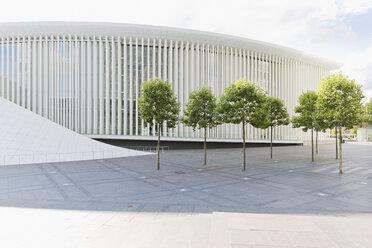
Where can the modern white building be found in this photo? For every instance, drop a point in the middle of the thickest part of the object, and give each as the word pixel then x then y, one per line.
pixel 87 76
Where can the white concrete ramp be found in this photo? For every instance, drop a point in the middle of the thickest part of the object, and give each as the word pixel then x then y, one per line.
pixel 26 137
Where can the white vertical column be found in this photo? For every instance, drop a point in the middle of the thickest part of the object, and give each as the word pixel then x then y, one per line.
pixel 130 87
pixel 101 87
pixel 153 76
pixel 83 66
pixel 186 85
pixel 89 86
pixel 176 81
pixel 64 83
pixel 120 90
pixel 164 74
pixel 125 90
pixel 170 74
pixel 198 70
pixel 207 67
pixel 259 83
pixel 197 67
pixel 142 75
pixel 95 87
pixel 113 87
pixel 70 60
pixel 276 93
pixel 78 84
pixel 23 71
pixel 45 78
pixel 40 77
pixel 29 89
pixel 192 75
pixel 107 84
pixel 72 81
pixel 57 83
pixel 181 85
pixel 136 81
pixel 236 64
pixel 13 69
pixel 148 76
pixel 159 59
pixel 51 79
pixel 7 68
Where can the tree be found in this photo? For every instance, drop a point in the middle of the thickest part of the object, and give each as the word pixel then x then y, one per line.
pixel 201 113
pixel 307 115
pixel 158 103
pixel 341 99
pixel 272 113
pixel 367 113
pixel 238 103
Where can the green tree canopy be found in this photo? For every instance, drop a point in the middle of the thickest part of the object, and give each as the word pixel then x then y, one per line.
pixel 367 115
pixel 238 104
pixel 272 113
pixel 341 101
pixel 158 103
pixel 201 112
pixel 307 115
pixel 369 106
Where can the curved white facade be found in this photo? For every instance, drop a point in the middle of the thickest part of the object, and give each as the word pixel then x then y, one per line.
pixel 87 76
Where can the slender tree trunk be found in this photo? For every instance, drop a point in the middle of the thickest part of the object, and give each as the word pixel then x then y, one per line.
pixel 271 142
pixel 316 142
pixel 340 150
pixel 244 145
pixel 312 144
pixel 205 146
pixel 159 130
pixel 336 143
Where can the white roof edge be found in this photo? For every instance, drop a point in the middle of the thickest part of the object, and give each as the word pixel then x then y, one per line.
pixel 136 30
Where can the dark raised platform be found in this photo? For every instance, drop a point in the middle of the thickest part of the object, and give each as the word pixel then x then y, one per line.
pixel 189 144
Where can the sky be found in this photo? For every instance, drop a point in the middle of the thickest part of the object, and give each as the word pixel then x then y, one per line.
pixel 340 30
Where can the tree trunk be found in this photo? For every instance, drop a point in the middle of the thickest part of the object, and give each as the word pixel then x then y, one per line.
pixel 340 150
pixel 271 142
pixel 205 146
pixel 312 144
pixel 336 143
pixel 243 146
pixel 316 142
pixel 159 130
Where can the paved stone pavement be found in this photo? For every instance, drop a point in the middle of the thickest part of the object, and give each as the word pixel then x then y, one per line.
pixel 126 202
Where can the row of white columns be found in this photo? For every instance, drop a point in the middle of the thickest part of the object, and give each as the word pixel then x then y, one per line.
pixel 91 84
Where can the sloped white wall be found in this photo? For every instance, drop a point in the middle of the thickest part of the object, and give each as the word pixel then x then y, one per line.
pixel 26 137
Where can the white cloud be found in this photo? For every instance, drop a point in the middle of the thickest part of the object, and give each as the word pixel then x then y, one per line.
pixel 359 67
pixel 288 22
pixel 355 6
pixel 316 26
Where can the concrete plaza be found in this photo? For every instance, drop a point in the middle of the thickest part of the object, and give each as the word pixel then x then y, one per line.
pixel 125 202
